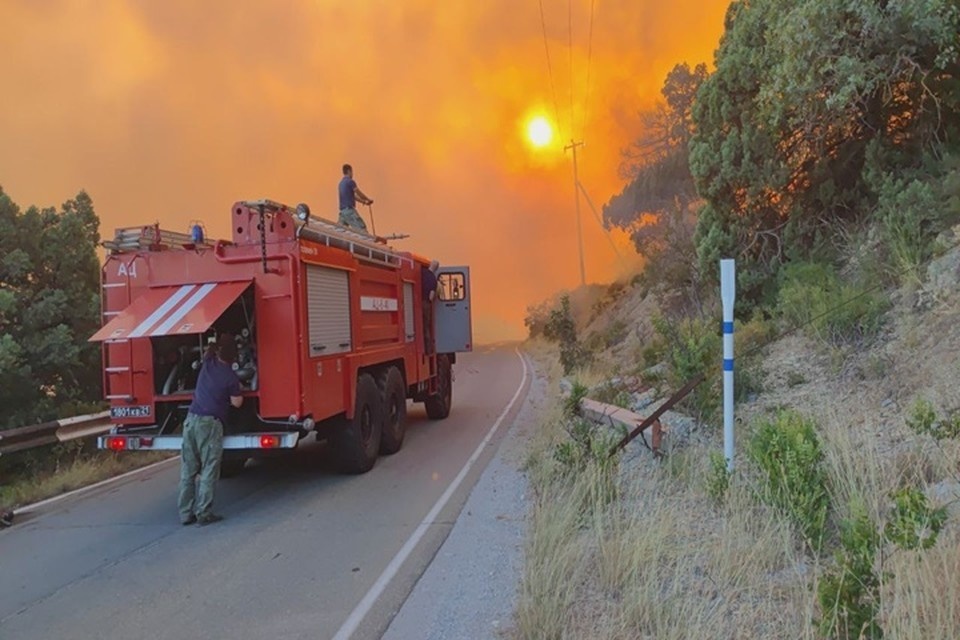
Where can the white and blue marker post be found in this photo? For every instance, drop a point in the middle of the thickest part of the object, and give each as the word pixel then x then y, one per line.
pixel 728 290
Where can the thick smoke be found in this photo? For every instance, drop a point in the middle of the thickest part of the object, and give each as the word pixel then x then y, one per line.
pixel 171 111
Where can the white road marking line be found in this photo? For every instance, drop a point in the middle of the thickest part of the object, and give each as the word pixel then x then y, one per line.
pixel 360 612
pixel 97 485
pixel 162 310
pixel 184 309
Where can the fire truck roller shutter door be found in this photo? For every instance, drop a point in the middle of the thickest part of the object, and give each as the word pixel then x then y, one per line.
pixel 328 310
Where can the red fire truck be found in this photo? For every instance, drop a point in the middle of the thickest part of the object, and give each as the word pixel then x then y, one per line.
pixel 333 333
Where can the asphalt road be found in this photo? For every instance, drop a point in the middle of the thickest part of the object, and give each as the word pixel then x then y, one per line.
pixel 301 546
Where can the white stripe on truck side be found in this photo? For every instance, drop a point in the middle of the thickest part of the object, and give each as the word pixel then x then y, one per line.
pixel 184 309
pixel 162 310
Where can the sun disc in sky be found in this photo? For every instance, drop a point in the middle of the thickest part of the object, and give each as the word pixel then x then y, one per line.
pixel 539 132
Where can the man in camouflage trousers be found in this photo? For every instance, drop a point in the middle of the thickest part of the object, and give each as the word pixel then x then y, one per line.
pixel 218 387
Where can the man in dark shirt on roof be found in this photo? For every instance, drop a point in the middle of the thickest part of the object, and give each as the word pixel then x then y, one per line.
pixel 218 388
pixel 349 195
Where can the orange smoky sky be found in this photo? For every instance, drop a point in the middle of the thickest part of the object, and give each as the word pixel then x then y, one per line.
pixel 171 111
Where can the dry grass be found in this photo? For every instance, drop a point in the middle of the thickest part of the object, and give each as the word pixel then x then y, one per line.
pixel 80 472
pixel 659 562
pixel 923 601
pixel 663 561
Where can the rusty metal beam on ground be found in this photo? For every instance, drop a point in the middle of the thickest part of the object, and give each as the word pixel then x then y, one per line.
pixel 599 412
pixel 655 416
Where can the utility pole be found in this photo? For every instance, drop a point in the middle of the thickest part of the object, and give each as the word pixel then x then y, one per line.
pixel 576 194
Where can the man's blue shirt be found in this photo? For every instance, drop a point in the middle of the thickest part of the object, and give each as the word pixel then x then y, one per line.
pixel 217 382
pixel 348 196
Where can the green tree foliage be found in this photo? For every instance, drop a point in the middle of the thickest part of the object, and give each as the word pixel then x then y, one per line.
pixel 654 204
pixel 49 306
pixel 813 104
pixel 655 207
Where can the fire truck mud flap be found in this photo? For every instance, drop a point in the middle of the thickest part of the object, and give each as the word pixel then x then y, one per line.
pixel 240 441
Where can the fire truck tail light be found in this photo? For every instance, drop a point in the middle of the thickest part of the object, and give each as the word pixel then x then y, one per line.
pixel 116 443
pixel 269 442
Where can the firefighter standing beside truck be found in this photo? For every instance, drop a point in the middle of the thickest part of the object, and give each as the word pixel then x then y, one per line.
pixel 218 387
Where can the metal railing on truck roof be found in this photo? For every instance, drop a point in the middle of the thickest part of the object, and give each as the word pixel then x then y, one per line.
pixel 332 234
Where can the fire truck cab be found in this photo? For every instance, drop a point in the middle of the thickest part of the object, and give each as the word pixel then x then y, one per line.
pixel 333 329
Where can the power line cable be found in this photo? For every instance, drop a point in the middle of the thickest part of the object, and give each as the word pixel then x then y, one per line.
pixel 570 51
pixel 586 100
pixel 546 48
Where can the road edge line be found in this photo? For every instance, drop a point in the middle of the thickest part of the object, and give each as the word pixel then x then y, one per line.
pixel 359 613
pixel 90 487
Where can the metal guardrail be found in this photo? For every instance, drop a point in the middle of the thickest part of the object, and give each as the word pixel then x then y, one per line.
pixel 38 435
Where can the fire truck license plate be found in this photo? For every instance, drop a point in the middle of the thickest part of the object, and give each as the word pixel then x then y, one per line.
pixel 140 411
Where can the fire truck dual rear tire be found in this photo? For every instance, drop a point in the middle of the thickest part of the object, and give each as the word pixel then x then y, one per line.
pixel 393 391
pixel 357 442
pixel 438 405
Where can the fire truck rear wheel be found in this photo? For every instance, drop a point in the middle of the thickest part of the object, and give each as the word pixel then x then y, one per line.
pixel 357 441
pixel 393 390
pixel 438 405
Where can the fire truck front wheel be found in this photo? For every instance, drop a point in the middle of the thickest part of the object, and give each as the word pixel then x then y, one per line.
pixel 357 442
pixel 394 393
pixel 438 405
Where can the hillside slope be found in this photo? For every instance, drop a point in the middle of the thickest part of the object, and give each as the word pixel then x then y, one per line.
pixel 666 559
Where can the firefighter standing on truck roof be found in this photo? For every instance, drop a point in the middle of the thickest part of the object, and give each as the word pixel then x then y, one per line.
pixel 218 387
pixel 349 195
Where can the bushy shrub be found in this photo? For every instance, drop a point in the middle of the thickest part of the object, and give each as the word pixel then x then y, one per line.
pixel 561 328
pixel 914 524
pixel 586 450
pixel 536 319
pixel 849 591
pixel 812 295
pixel 911 212
pixel 692 347
pixel 923 420
pixel 788 453
pixel 571 404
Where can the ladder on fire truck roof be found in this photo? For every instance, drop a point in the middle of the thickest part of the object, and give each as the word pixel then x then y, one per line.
pixel 149 237
pixel 331 234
